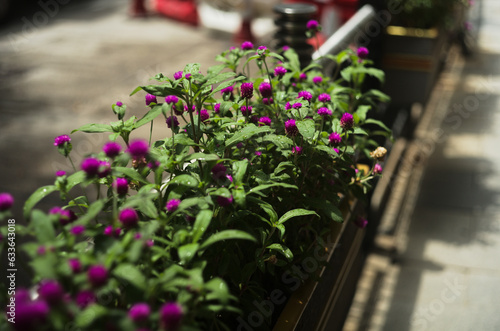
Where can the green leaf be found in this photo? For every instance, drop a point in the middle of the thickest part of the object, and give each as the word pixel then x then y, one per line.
pixel 93 312
pixel 223 192
pixel 76 178
pixel 282 142
pixel 266 186
pixel 306 128
pixel 226 235
pixel 131 274
pixel 94 209
pixel 38 195
pixel 239 170
pixel 187 252
pixel 360 114
pixel 131 173
pixel 293 60
pixel 201 157
pixel 42 226
pixel 162 90
pixel 185 180
pixel 246 133
pixel 327 207
pixel 295 213
pixel 225 84
pixel 285 251
pixel 360 131
pixel 326 149
pixel 379 123
pixel 282 166
pixel 192 68
pixel 94 128
pixel 201 224
pixel 219 290
pixel 149 116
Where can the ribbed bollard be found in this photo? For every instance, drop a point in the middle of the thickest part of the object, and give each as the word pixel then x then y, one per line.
pixel 291 21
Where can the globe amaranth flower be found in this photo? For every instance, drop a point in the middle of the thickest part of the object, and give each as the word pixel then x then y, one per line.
pixel 324 97
pixel 204 115
pixel 139 312
pixel 6 201
pixel 30 314
pixel 312 25
pixel 121 185
pixel 246 45
pixel 41 250
pixel 77 230
pixel 246 111
pixel 217 108
pixel 186 109
pixel 66 216
pixel 91 166
pixel 279 71
pixel 224 202
pixel 104 169
pixel 187 76
pixel 171 314
pixel 247 90
pixel 297 105
pixel 361 222
pixel 291 128
pixel 258 153
pixel 325 112
pixel 171 99
pixel 150 98
pixel 119 103
pixel 297 150
pixel 377 169
pixel 267 101
pixel 112 149
pixel 178 75
pixel 172 205
pixel 138 149
pixel 227 90
pixel 75 265
pixel 218 171
pixel 97 275
pixel 128 217
pixel 60 173
pixel 59 141
pixel 154 164
pixel 111 232
pixel 317 79
pixel 306 95
pixel 362 52
pixel 172 122
pixel 334 138
pixel 288 105
pixel 85 298
pixel 347 121
pixel 285 48
pixel 264 120
pixel 266 90
pixel 51 292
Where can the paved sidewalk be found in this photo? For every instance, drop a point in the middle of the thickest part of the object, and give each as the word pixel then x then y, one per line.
pixel 446 275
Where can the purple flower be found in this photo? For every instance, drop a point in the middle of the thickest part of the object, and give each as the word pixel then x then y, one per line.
pixel 288 105
pixel 267 101
pixel 66 216
pixel 262 48
pixel 150 98
pixel 41 250
pixel 186 109
pixel 297 105
pixel 324 97
pixel 178 75
pixel 204 115
pixel 246 45
pixel 317 80
pixel 121 185
pixel 128 217
pixel 362 52
pixel 77 230
pixel 97 275
pixel 30 314
pixel 171 99
pixel 302 76
pixel 119 103
pixel 154 164
pixel 266 90
pixel 285 48
pixel 187 76
pixel 246 111
pixel 51 291
pixel 264 120
pixel 247 90
pixel 306 95
pixel 377 169
pixel 336 150
pixel 224 202
pixel 172 205
pixel 312 25
pixel 138 149
pixel 150 243
pixel 110 232
pixel 291 128
pixel 172 122
pixel 258 153
pixel 297 150
pixel 61 140
pixel 171 316
pixel 334 138
pixel 85 298
pixel 217 108
pixel 112 149
pixel 325 112
pixel 361 222
pixel 139 312
pixel 218 171
pixel 60 173
pixel 6 201
pixel 279 71
pixel 104 169
pixel 227 90
pixel 91 166
pixel 75 265
pixel 346 121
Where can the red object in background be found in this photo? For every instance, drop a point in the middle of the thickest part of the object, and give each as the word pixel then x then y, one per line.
pixel 245 32
pixel 138 9
pixel 346 9
pixel 180 10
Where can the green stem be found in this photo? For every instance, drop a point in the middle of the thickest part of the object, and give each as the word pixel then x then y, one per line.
pixel 150 133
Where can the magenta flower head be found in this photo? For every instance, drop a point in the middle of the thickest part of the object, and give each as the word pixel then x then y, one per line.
pixel 128 217
pixel 51 291
pixel 266 90
pixel 334 138
pixel 361 222
pixel 110 232
pixel 346 121
pixel 121 186
pixel 264 120
pixel 60 173
pixel 75 265
pixel 312 25
pixel 178 75
pixel 246 111
pixel 85 298
pixel 217 108
pixel 139 312
pixel 119 103
pixel 171 316
pixel 59 141
pixel 97 275
pixel 66 216
pixel 362 52
pixel 325 112
pixel 91 166
pixel 279 71
pixel 246 45
pixel 187 76
pixel 138 149
pixel 204 115
pixel 227 90
pixel 291 128
pixel 30 314
pixel 150 98
pixel 297 105
pixel 6 201
pixel 317 80
pixel 77 230
pixel 171 99
pixel 297 150
pixel 377 169
pixel 218 171
pixel 285 48
pixel 247 90
pixel 306 95
pixel 224 202
pixel 112 149
pixel 172 122
pixel 324 97
pixel 173 205
pixel 267 101
pixel 302 76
